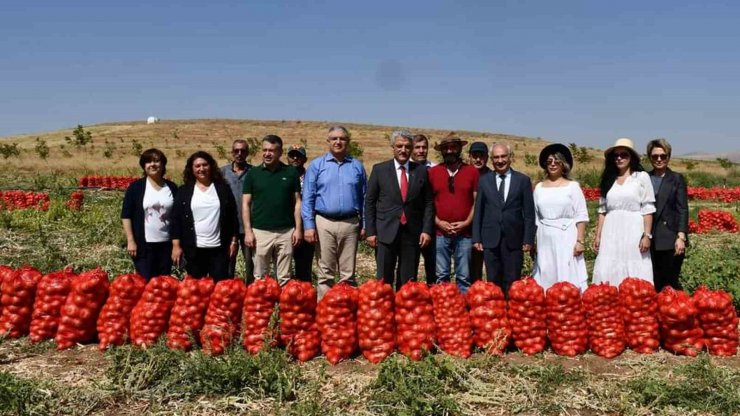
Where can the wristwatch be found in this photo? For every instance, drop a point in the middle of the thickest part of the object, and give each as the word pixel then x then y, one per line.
pixel 648 235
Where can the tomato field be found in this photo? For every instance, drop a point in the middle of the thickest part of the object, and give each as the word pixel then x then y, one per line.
pixel 79 247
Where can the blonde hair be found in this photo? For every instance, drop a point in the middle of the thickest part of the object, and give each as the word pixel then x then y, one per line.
pixel 661 143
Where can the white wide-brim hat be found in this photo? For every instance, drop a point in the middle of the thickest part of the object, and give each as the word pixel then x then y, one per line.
pixel 623 142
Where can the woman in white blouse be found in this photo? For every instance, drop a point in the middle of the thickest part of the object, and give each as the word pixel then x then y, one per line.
pixel 205 228
pixel 561 217
pixel 625 217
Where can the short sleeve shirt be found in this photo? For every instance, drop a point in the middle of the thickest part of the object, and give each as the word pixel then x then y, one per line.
pixel 272 196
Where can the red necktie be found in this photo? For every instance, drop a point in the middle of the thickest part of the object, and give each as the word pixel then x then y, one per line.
pixel 404 191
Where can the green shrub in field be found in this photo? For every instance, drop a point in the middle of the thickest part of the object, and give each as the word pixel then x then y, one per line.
pixel 709 180
pixel 21 396
pixel 713 260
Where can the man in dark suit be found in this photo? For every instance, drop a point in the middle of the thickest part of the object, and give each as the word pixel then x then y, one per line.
pixel 671 218
pixel 399 212
pixel 503 223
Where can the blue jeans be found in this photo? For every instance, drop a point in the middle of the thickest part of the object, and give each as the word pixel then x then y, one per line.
pixel 457 248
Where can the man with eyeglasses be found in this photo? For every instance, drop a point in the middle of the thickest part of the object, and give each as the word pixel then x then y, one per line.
pixel 332 210
pixel 504 219
pixel 478 158
pixel 429 254
pixel 234 174
pixel 303 252
pixel 455 186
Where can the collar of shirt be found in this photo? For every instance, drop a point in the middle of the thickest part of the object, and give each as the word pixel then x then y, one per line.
pixel 330 158
pixel 507 174
pixel 280 166
pixel 398 165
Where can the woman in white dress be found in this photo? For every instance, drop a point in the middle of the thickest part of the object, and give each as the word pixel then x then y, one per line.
pixel 561 217
pixel 625 217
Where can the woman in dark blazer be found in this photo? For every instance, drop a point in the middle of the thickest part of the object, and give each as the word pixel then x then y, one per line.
pixel 145 215
pixel 671 220
pixel 205 228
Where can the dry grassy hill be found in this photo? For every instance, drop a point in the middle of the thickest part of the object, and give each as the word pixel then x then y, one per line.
pixel 179 138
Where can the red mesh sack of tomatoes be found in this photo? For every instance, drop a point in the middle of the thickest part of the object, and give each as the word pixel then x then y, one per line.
pixel 115 317
pixel 336 317
pixel 51 293
pixel 640 306
pixel 679 324
pixel 605 322
pixel 18 294
pixel 298 329
pixel 454 334
pixel 5 272
pixel 491 329
pixel 415 328
pixel 718 319
pixel 86 298
pixel 375 322
pixel 223 316
pixel 567 329
pixel 189 312
pixel 259 305
pixel 150 316
pixel 527 315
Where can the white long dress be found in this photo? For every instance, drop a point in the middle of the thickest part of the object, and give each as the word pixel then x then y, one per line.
pixel 558 210
pixel 619 251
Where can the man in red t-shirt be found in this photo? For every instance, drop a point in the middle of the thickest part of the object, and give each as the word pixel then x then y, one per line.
pixel 455 186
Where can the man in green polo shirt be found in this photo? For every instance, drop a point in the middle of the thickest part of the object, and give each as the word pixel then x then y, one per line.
pixel 271 210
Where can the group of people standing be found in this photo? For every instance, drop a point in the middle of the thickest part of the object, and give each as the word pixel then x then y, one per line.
pixel 458 215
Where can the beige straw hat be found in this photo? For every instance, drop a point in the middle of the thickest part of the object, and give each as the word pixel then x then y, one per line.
pixel 623 142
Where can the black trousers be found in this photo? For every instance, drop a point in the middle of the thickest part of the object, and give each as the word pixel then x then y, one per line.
pixel 666 269
pixel 402 252
pixel 303 260
pixel 503 265
pixel 429 254
pixel 248 263
pixel 202 262
pixel 476 265
pixel 155 260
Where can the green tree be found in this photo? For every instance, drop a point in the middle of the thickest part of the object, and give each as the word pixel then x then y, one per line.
pixel 81 137
pixel 41 148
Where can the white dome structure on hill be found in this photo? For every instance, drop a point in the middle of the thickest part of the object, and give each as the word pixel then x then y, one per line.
pixel 152 120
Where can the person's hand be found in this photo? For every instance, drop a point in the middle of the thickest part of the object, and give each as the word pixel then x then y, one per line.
pixel 680 247
pixel 310 236
pixel 578 249
pixel 233 249
pixel 457 226
pixel 424 240
pixel 176 255
pixel 131 248
pixel 296 237
pixel 595 244
pixel 526 248
pixel 478 246
pixel 446 227
pixel 249 239
pixel 362 234
pixel 644 244
pixel 372 241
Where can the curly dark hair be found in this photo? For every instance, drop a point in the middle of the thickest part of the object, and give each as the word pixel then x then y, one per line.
pixel 189 178
pixel 150 155
pixel 610 173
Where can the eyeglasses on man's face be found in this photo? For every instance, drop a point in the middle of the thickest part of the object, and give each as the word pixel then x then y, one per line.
pixel 238 150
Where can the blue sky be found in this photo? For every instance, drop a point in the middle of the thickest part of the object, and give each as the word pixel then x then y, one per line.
pixel 573 71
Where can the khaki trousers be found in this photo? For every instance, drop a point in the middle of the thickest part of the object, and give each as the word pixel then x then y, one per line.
pixel 273 249
pixel 336 251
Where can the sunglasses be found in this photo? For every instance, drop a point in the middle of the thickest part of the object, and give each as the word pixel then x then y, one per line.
pixel 451 184
pixel 659 157
pixel 238 150
pixel 553 162
pixel 622 155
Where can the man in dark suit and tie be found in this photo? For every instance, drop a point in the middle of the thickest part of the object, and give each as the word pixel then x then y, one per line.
pixel 399 212
pixel 503 223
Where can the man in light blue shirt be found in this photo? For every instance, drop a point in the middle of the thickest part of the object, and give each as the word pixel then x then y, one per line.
pixel 332 209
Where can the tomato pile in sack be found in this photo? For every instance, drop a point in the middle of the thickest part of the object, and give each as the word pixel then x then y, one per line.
pixel 415 328
pixel 259 305
pixel 189 312
pixel 18 294
pixel 115 317
pixel 640 306
pixel 605 321
pixel 150 316
pixel 527 315
pixel 86 298
pixel 491 329
pixel 718 319
pixel 336 317
pixel 223 316
pixel 566 320
pixel 5 272
pixel 375 323
pixel 298 329
pixel 454 334
pixel 51 293
pixel 679 323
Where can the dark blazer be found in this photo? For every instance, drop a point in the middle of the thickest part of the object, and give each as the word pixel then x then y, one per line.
pixel 183 227
pixel 133 209
pixel 383 203
pixel 671 211
pixel 513 219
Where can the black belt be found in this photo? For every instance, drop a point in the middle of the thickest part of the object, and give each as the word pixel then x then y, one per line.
pixel 338 217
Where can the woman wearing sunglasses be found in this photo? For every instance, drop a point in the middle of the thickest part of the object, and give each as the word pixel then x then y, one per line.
pixel 626 207
pixel 671 220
